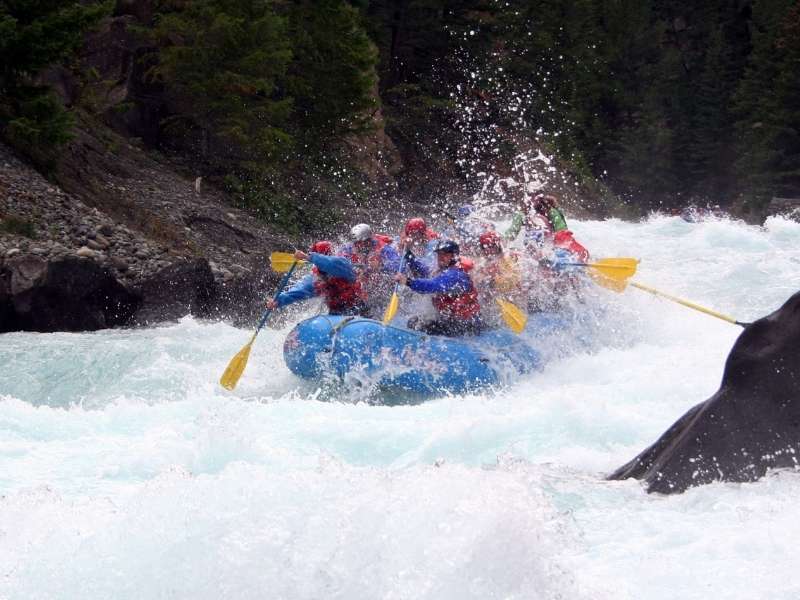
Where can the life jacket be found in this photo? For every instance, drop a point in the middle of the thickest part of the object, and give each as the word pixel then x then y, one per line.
pixel 564 239
pixel 556 219
pixel 503 272
pixel 462 306
pixel 340 295
pixel 372 260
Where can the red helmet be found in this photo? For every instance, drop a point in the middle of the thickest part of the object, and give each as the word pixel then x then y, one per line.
pixel 416 225
pixel 322 247
pixel 489 239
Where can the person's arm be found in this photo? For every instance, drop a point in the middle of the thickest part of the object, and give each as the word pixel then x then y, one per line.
pixel 417 267
pixel 557 220
pixel 449 281
pixel 516 225
pixel 302 290
pixel 335 266
pixel 390 260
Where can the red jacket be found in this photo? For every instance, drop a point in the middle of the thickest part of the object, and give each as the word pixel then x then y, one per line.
pixel 564 239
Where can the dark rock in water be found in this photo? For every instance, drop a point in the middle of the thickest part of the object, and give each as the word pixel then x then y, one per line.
pixel 750 425
pixel 242 299
pixel 177 290
pixel 69 294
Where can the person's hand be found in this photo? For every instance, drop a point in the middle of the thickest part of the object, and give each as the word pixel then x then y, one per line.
pixel 272 304
pixel 300 255
pixel 401 278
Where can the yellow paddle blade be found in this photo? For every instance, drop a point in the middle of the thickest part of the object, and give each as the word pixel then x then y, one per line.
pixel 235 368
pixel 513 316
pixel 613 273
pixel 616 268
pixel 615 285
pixel 391 310
pixel 281 262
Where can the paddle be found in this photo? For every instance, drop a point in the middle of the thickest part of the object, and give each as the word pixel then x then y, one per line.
pixel 513 316
pixel 688 304
pixel 235 368
pixel 283 261
pixel 613 273
pixel 394 302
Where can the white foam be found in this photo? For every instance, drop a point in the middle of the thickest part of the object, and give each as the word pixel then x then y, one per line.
pixel 126 472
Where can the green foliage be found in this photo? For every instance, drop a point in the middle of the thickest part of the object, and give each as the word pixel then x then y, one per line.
pixel 35 34
pixel 37 123
pixel 17 226
pixel 258 87
pixel 649 95
pixel 223 63
pixel 767 103
pixel 332 75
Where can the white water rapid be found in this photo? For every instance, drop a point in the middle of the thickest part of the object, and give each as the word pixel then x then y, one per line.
pixel 127 473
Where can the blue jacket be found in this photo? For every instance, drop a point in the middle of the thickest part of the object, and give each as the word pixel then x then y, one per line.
pixel 335 266
pixel 428 258
pixel 450 281
pixel 389 257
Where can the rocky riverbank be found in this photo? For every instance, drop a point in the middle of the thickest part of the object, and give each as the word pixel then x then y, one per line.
pixel 154 246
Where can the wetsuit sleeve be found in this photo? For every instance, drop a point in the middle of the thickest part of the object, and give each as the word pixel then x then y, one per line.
pixel 302 290
pixel 335 266
pixel 516 225
pixel 451 280
pixel 390 259
pixel 417 267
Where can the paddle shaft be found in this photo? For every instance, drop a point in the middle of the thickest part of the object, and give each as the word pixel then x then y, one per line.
pixel 400 269
pixel 688 304
pixel 592 265
pixel 391 309
pixel 267 312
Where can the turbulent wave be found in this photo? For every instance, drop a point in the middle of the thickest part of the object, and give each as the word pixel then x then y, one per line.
pixel 126 472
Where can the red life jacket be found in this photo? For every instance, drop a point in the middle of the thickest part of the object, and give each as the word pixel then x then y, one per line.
pixel 564 239
pixel 372 260
pixel 462 305
pixel 340 295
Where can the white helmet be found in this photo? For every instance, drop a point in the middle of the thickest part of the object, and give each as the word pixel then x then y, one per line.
pixel 361 232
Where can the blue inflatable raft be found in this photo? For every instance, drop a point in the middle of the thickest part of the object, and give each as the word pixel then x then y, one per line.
pixel 365 351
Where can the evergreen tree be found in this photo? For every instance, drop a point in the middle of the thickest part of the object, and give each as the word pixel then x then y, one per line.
pixel 35 34
pixel 332 75
pixel 223 63
pixel 552 48
pixel 766 103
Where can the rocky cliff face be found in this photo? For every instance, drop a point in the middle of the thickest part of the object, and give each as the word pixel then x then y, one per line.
pixel 142 244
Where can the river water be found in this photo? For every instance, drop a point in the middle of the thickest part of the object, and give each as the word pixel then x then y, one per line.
pixel 126 472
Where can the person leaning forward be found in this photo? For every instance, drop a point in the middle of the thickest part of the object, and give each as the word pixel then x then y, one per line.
pixel 454 295
pixel 332 277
